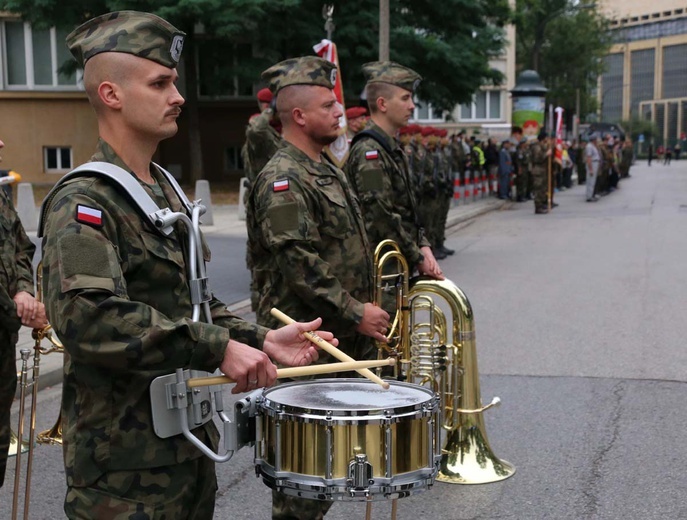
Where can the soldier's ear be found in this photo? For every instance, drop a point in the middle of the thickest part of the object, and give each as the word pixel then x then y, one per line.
pixel 110 95
pixel 298 116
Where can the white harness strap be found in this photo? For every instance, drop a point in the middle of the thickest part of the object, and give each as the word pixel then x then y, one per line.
pixel 130 186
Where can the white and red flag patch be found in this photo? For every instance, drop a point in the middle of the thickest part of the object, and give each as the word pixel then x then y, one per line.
pixel 371 155
pixel 89 215
pixel 281 185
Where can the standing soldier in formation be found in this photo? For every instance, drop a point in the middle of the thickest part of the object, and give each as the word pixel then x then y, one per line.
pixel 523 174
pixel 626 155
pixel 262 142
pixel 17 307
pixel 262 137
pixel 307 233
pixel 356 119
pixel 540 153
pixel 445 191
pixel 379 170
pixel 117 292
pixel 430 200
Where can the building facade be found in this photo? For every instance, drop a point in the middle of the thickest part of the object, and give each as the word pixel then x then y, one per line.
pixel 646 68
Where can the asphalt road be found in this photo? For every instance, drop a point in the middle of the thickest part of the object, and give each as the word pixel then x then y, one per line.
pixel 580 330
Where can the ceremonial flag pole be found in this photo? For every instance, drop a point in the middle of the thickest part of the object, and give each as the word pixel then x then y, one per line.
pixel 338 150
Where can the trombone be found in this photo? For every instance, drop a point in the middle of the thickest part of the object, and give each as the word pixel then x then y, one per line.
pixel 50 436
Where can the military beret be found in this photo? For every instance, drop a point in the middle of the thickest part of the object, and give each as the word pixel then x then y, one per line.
pixel 265 95
pixel 353 112
pixel 306 70
pixel 393 73
pixel 404 130
pixel 427 131
pixel 442 132
pixel 141 34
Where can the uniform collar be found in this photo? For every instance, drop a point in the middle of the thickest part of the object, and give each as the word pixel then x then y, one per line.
pixel 315 168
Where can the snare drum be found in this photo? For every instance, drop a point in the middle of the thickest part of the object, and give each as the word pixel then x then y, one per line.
pixel 348 439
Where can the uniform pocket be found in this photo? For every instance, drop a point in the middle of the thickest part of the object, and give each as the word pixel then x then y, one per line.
pixel 336 220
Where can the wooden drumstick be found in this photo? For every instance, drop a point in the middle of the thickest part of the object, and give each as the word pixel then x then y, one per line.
pixel 311 370
pixel 331 349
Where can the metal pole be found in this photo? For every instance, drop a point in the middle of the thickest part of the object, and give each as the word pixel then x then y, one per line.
pixel 576 119
pixel 383 30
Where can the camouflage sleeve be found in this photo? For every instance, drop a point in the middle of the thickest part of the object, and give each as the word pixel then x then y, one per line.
pixel 23 255
pixel 88 305
pixel 261 142
pixel 239 329
pixel 371 179
pixel 289 231
pixel 9 321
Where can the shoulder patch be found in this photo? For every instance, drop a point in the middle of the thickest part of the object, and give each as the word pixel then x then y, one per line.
pixel 281 185
pixel 88 215
pixel 371 155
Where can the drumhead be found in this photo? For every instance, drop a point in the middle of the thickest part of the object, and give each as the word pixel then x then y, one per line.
pixel 339 396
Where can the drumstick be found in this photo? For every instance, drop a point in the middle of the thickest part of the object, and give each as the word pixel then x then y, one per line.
pixel 311 370
pixel 331 349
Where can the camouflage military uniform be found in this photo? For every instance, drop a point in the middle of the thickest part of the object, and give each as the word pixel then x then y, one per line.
pixel 16 275
pixel 117 295
pixel 307 235
pixel 385 190
pixel 262 142
pixel 539 175
pixel 446 192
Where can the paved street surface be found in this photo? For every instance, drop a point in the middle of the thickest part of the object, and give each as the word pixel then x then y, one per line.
pixel 580 330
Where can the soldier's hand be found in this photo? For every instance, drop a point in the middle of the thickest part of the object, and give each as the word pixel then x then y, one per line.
pixel 429 266
pixel 289 346
pixel 27 307
pixel 375 322
pixel 41 320
pixel 249 367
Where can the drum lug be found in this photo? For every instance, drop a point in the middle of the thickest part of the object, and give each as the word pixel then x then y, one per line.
pixel 359 476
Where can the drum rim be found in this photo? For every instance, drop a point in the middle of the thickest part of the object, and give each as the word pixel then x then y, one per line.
pixel 273 408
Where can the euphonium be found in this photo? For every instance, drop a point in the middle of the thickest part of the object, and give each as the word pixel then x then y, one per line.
pixel 433 335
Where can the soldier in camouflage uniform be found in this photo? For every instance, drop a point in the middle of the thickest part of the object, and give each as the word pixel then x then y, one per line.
pixel 446 191
pixel 262 138
pixel 118 295
pixel 17 307
pixel 539 154
pixel 379 171
pixel 306 231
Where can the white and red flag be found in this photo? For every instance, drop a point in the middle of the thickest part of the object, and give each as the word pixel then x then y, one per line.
pixel 338 150
pixel 559 135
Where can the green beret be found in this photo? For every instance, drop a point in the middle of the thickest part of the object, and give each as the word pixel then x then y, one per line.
pixel 390 72
pixel 141 34
pixel 307 70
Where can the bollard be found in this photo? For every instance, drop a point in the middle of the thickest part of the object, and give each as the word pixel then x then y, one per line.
pixel 456 189
pixel 26 206
pixel 242 194
pixel 468 180
pixel 203 193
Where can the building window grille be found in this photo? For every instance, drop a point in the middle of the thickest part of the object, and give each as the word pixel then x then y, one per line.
pixel 486 106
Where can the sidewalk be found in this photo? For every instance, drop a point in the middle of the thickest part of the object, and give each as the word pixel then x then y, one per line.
pixel 226 222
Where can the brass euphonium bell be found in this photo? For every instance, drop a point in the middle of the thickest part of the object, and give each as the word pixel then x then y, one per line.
pixel 441 354
pixel 14 445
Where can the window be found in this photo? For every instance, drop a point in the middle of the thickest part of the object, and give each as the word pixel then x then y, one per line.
pixel 32 58
pixel 232 158
pixel 57 159
pixel 424 113
pixel 485 106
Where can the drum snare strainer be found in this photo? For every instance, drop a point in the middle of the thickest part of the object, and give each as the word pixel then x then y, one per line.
pixel 348 439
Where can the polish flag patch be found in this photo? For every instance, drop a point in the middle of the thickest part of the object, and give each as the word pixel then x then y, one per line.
pixel 281 185
pixel 371 155
pixel 89 215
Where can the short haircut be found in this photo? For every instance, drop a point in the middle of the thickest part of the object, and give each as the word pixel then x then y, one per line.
pixel 376 90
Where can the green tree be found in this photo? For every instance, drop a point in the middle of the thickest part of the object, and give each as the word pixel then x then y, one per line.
pixel 565 42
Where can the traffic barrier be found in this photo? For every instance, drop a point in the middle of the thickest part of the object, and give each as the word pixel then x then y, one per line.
pixel 468 190
pixel 456 189
pixel 203 193
pixel 26 206
pixel 476 186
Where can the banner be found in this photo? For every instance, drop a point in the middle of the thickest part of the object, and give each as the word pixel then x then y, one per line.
pixel 338 150
pixel 559 136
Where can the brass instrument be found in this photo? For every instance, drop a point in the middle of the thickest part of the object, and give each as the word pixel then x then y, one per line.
pixel 50 436
pixel 433 335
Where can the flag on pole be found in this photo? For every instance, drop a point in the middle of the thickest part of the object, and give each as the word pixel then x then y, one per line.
pixel 338 150
pixel 559 135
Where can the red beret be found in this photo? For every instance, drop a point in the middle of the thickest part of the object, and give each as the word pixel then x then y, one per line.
pixel 442 132
pixel 427 131
pixel 354 112
pixel 415 129
pixel 404 130
pixel 265 95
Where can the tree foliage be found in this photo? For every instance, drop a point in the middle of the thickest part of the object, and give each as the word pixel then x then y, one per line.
pixel 450 42
pixel 565 42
